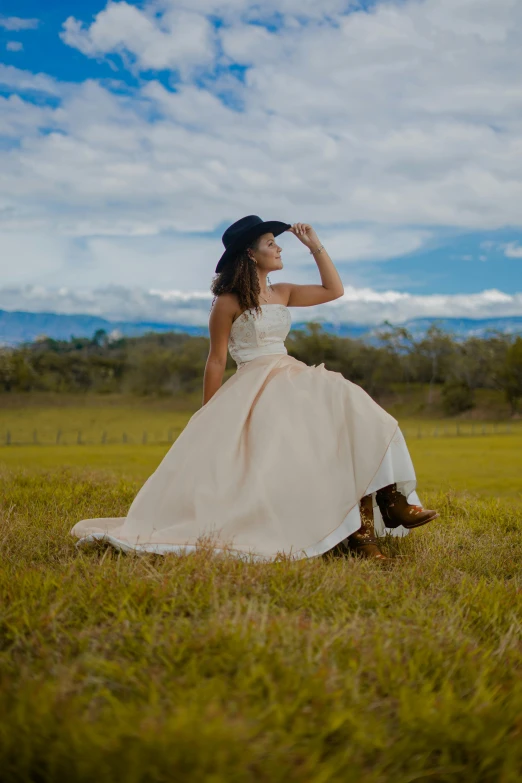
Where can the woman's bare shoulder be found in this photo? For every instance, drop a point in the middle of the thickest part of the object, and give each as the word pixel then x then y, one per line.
pixel 227 303
pixel 282 292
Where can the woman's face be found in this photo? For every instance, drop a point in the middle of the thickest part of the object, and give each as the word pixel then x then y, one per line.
pixel 267 255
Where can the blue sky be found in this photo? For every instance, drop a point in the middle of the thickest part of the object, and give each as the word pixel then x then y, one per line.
pixel 132 134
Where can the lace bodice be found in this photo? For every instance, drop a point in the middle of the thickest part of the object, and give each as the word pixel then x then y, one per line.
pixel 252 335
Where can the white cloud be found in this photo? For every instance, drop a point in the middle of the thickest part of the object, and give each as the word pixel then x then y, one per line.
pixel 248 44
pixel 401 119
pixel 358 305
pixel 253 10
pixel 15 23
pixel 25 81
pixel 14 46
pixel 183 261
pixel 348 137
pixel 368 306
pixel 19 119
pixel 374 244
pixel 513 250
pixel 178 39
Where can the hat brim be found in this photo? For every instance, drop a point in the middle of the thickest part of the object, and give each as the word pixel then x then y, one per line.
pixel 275 227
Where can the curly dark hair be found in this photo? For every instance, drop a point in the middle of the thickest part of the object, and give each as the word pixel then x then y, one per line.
pixel 239 276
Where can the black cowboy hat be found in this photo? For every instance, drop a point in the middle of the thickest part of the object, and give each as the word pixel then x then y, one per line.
pixel 241 233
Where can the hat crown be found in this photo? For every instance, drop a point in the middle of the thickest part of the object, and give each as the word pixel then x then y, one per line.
pixel 241 233
pixel 240 227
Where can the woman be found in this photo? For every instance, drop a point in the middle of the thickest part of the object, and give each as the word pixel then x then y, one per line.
pixel 282 458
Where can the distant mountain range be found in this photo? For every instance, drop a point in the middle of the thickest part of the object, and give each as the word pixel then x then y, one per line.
pixel 19 327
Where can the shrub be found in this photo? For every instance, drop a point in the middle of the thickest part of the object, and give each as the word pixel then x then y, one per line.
pixel 457 397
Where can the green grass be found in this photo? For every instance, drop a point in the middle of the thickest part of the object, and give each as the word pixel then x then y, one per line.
pixel 483 466
pixel 48 418
pixel 488 467
pixel 201 668
pixel 197 668
pixel 91 424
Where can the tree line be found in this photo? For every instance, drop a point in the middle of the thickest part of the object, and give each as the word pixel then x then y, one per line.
pixel 173 363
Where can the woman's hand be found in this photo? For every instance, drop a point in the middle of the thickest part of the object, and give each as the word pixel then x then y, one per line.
pixel 305 234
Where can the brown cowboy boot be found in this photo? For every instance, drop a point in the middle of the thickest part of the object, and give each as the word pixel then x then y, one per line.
pixel 363 542
pixel 396 510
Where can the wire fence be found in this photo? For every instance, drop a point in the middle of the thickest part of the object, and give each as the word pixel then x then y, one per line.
pixel 105 437
pixel 459 429
pixel 86 438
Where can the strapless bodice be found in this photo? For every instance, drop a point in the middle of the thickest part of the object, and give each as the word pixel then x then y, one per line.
pixel 252 335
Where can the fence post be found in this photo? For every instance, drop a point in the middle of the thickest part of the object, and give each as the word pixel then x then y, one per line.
pixel 58 436
pixel 124 438
pixel 79 438
pixel 35 436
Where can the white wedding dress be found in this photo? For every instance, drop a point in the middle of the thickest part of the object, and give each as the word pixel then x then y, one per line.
pixel 274 463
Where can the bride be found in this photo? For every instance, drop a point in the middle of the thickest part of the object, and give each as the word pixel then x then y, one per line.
pixel 283 458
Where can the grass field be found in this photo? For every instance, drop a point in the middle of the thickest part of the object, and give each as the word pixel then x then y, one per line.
pixel 487 465
pixel 197 668
pixel 69 419
pixel 90 425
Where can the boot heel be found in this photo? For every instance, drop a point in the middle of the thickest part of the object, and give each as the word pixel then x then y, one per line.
pixel 363 542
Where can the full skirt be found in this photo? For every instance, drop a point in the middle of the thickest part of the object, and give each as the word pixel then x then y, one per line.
pixel 274 464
